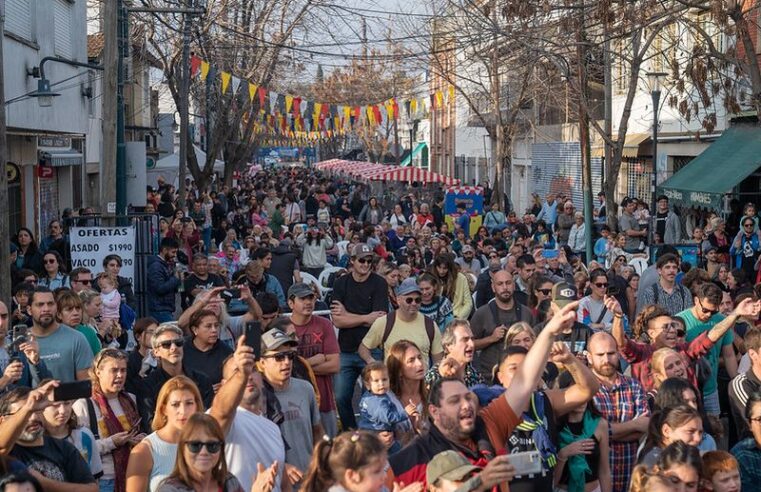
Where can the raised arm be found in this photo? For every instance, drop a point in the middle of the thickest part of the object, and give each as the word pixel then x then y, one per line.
pixel 585 383
pixel 527 378
pixel 230 394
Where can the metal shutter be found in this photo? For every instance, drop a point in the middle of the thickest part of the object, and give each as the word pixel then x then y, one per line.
pixel 556 167
pixel 62 27
pixel 18 18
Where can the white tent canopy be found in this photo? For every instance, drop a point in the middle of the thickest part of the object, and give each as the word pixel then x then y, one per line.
pixel 169 167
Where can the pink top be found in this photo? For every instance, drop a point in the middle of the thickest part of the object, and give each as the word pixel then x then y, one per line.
pixel 111 304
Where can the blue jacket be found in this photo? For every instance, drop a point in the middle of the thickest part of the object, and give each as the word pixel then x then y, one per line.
pixel 549 213
pixel 737 253
pixel 380 412
pixel 162 285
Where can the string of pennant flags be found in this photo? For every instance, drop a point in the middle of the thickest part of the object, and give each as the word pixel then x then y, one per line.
pixel 286 118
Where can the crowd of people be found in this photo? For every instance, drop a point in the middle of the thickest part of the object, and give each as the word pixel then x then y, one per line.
pixel 301 334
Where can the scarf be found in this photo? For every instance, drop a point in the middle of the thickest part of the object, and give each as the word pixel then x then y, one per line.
pixel 577 465
pixel 120 454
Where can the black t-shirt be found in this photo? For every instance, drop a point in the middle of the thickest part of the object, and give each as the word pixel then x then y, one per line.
pixel 56 459
pixel 660 224
pixel 193 282
pixel 359 298
pixel 209 362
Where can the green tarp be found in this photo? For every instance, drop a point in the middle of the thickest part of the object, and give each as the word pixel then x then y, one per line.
pixel 408 160
pixel 704 181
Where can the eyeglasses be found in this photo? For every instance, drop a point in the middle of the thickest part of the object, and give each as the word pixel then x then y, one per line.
pixel 707 311
pixel 545 292
pixel 86 281
pixel 212 447
pixel 166 344
pixel 748 225
pixel 601 285
pixel 51 261
pixel 416 300
pixel 755 419
pixel 680 332
pixel 281 356
pixel 364 261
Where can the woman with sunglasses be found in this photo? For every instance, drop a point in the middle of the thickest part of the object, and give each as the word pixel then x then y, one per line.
pixel 540 289
pixel 54 276
pixel 200 465
pixel 111 415
pixel 654 329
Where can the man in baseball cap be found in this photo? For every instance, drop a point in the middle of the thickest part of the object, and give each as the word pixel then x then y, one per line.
pixel 563 294
pixel 449 466
pixel 359 299
pixel 294 395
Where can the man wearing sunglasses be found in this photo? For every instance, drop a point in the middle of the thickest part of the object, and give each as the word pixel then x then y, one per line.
pixel 358 300
pixel 81 279
pixel 704 317
pixel 406 323
pixel 168 343
pixel 301 426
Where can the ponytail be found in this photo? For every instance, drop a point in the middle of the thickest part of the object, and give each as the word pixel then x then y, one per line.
pixel 319 476
pixel 332 457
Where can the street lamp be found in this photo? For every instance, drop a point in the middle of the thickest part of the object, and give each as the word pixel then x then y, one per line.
pixel 43 93
pixel 655 80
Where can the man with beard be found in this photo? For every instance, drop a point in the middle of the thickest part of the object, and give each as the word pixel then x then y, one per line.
pixel 26 369
pixel 66 353
pixel 457 425
pixel 358 300
pixel 319 346
pixel 457 341
pixel 491 321
pixel 55 463
pixel 666 292
pixel 252 438
pixel 163 282
pixel 201 279
pixel 622 402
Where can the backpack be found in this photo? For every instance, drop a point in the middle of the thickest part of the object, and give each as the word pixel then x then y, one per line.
pixel 495 315
pixel 429 329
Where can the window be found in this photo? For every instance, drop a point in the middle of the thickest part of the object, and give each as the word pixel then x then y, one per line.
pixel 18 18
pixel 62 28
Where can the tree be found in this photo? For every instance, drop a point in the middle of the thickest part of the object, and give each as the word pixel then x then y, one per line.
pixel 371 79
pixel 246 38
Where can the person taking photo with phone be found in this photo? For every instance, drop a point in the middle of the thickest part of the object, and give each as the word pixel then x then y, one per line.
pixel 20 363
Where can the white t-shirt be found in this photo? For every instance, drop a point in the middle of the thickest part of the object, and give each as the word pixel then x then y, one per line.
pixel 253 439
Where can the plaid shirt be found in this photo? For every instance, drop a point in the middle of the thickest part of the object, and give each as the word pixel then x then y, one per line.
pixel 748 455
pixel 472 377
pixel 620 403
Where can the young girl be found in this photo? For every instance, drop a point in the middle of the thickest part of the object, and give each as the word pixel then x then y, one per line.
pixel 381 411
pixel 60 422
pixel 352 462
pixel 109 296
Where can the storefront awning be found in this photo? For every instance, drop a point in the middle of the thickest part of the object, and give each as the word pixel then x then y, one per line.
pixel 631 145
pixel 62 157
pixel 730 159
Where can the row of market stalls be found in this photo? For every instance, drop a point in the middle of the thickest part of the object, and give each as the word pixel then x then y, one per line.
pixel 371 171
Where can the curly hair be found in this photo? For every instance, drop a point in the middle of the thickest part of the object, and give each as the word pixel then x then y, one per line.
pixel 645 316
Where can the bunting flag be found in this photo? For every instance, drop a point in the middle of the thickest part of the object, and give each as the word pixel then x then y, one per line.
pixel 225 81
pixel 288 117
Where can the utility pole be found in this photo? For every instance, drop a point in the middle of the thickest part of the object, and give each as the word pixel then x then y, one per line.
pixel 498 133
pixel 184 96
pixel 586 161
pixel 110 13
pixel 123 47
pixel 5 266
pixel 608 125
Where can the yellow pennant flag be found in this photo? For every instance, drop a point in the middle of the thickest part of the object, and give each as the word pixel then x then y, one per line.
pixel 225 81
pixel 413 106
pixel 288 103
pixel 439 99
pixel 347 114
pixel 451 94
pixel 317 109
pixel 204 70
pixel 252 88
pixel 370 115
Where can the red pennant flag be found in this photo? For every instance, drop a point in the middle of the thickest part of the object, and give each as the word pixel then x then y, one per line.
pixel 396 108
pixel 262 95
pixel 296 106
pixel 377 114
pixel 195 66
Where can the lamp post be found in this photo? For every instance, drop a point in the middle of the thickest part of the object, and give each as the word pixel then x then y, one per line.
pixel 655 80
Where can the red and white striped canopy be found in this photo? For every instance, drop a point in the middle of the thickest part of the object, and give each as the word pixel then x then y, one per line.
pixel 412 174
